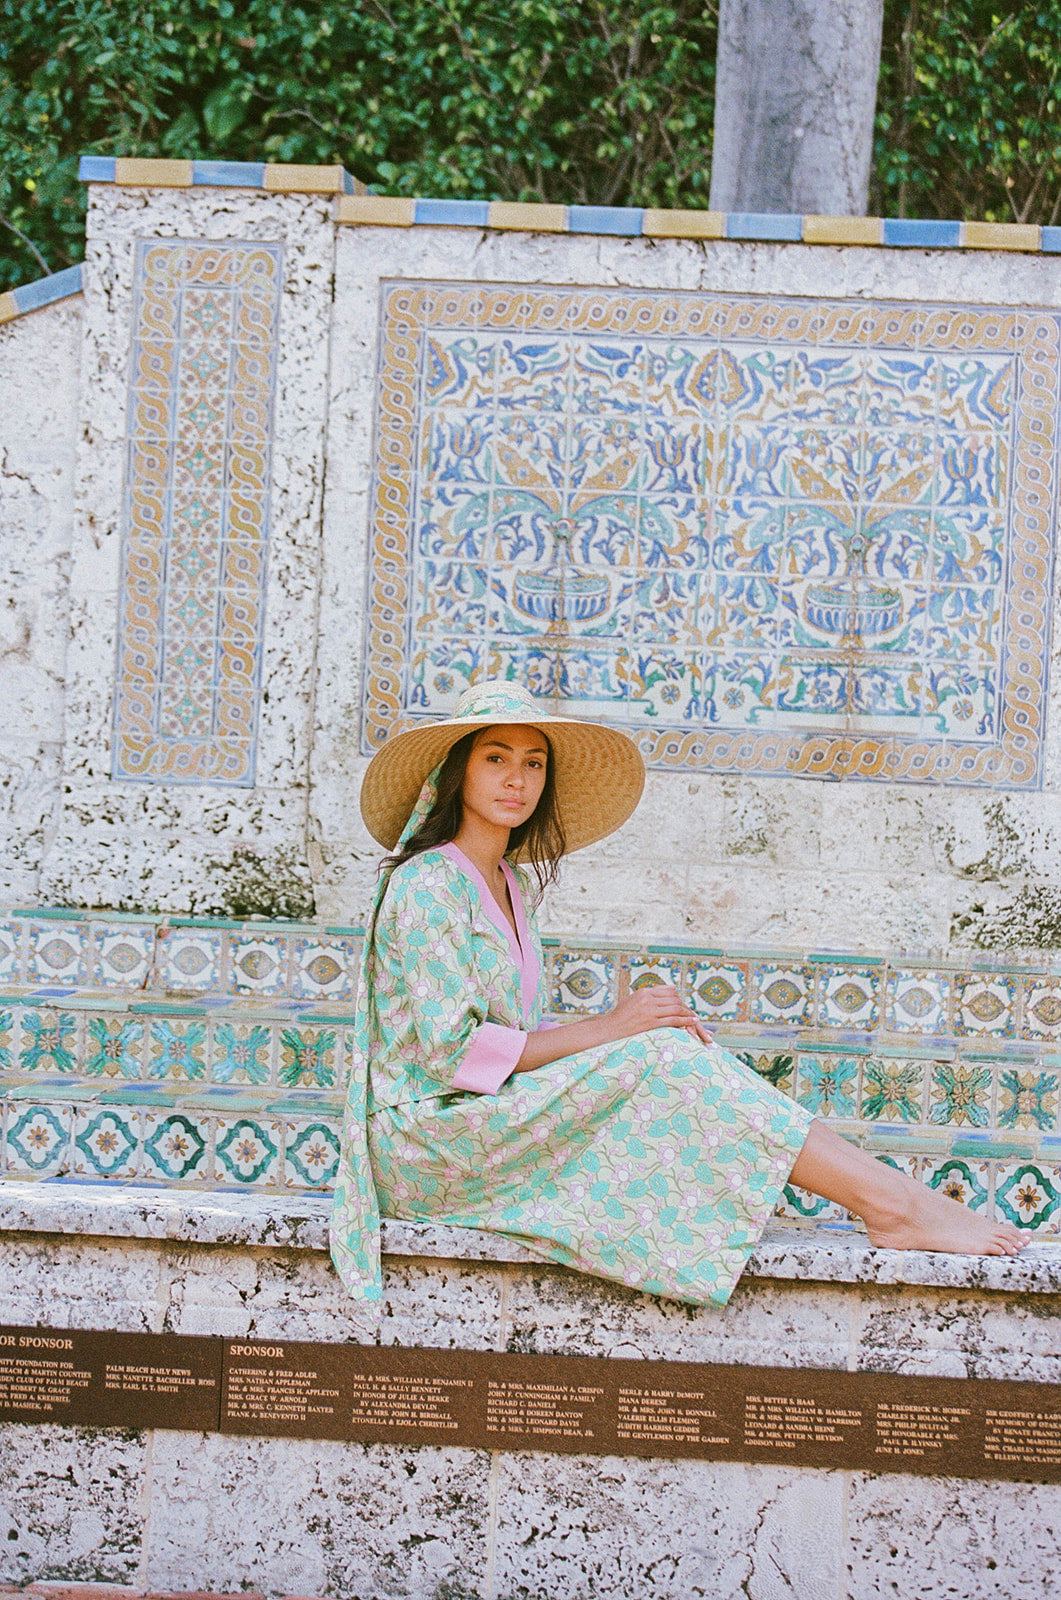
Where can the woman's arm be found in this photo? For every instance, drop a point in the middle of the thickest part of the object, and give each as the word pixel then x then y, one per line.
pixel 658 1006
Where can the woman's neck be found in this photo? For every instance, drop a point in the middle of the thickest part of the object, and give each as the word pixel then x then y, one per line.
pixel 483 845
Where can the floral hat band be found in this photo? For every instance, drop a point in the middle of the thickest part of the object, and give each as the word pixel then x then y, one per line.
pixel 598 771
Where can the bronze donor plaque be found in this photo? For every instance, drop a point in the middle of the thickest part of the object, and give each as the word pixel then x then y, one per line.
pixel 876 1422
pixel 109 1380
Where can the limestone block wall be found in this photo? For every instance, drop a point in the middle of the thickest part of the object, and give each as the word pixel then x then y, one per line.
pixel 40 357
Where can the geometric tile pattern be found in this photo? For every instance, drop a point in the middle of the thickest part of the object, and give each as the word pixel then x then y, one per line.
pixel 951 1072
pixel 196 516
pixel 764 535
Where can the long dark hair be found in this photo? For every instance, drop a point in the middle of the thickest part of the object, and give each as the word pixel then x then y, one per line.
pixel 541 837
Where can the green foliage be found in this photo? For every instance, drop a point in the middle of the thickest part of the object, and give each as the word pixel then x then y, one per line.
pixel 969 111
pixel 595 101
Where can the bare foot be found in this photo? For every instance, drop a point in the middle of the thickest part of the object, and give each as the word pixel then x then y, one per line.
pixel 914 1217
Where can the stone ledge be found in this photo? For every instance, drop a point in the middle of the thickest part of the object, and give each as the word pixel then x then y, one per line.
pixel 300 1222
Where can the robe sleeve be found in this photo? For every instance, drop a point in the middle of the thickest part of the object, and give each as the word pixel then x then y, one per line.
pixel 435 966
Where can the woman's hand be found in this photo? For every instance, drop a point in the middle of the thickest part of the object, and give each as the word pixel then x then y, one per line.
pixel 657 1005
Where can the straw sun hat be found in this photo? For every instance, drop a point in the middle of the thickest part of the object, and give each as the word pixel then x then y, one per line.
pixel 598 771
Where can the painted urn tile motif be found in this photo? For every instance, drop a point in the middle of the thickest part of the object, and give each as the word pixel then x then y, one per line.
pixel 759 539
pixel 196 518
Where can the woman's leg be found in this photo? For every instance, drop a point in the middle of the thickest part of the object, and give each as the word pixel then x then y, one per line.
pixel 899 1212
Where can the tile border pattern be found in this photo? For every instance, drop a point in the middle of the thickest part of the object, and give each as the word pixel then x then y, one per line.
pixel 951 1070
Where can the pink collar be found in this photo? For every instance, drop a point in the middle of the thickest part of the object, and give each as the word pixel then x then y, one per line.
pixel 520 943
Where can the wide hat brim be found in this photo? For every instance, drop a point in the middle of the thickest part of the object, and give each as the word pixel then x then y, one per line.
pixel 598 772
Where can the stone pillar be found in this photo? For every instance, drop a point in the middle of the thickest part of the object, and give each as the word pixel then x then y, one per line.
pixel 794 102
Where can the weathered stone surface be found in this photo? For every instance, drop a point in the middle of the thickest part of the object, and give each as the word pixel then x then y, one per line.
pixel 70 1503
pixel 314 1517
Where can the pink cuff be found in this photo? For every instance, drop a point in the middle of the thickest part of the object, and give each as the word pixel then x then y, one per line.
pixel 493 1054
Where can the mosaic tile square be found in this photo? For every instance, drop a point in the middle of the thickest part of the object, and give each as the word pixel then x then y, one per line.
pixel 1041 1009
pixel 1027 1099
pixel 58 953
pixel 247 1150
pixel 7 1040
pixel 984 1004
pixel 583 981
pixel 309 1058
pixel 827 1084
pixel 197 478
pixel 176 1146
pixel 106 1142
pixel 918 1002
pixel 848 997
pixel 1028 1194
pixel 240 1052
pixel 37 1140
pixel 124 954
pixel 114 1047
pixel 610 449
pixel 781 993
pixel 177 1049
pixel 257 965
pixel 960 1094
pixel 718 991
pixel 965 1181
pixel 644 971
pixel 324 968
pixel 776 1068
pixel 191 959
pixel 10 951
pixel 47 1041
pixel 893 1089
pixel 311 1155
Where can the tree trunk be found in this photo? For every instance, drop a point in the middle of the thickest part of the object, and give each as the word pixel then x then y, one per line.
pixel 795 93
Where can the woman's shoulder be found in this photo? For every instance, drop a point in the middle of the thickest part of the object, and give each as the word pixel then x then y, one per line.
pixel 429 874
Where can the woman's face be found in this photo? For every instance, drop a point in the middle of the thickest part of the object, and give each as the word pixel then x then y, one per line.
pixel 505 775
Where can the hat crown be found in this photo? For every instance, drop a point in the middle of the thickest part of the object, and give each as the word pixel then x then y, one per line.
pixel 507 702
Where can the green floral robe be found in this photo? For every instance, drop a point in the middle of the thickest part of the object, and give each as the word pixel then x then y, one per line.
pixel 655 1161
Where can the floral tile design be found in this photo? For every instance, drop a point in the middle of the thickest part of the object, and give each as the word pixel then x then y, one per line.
pixel 1041 1008
pixel 257 965
pixel 38 1139
pixel 7 1046
pixel 191 959
pixel 960 1095
pixel 781 993
pixel 646 970
pixel 58 953
pixel 776 1069
pixel 240 1053
pixel 196 524
pixel 106 1142
pixel 48 1041
pixel 1028 1194
pixel 848 997
pixel 800 1205
pixel 324 968
pixel 1027 1099
pixel 984 1005
pixel 718 991
pixel 247 1150
pixel 176 1147
pixel 178 1049
pixel 583 981
pixel 124 954
pixel 308 1058
pixel 113 1048
pixel 893 1089
pixel 311 1156
pixel 730 523
pixel 10 951
pixel 828 1084
pixel 964 1181
pixel 918 1002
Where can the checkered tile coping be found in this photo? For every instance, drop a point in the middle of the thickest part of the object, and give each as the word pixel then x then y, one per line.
pixel 211 1054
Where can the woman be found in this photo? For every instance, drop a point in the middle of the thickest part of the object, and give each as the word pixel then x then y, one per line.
pixel 627 1145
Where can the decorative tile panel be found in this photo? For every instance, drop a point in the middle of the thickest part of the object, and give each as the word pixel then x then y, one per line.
pixel 771 536
pixel 191 959
pixel 196 518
